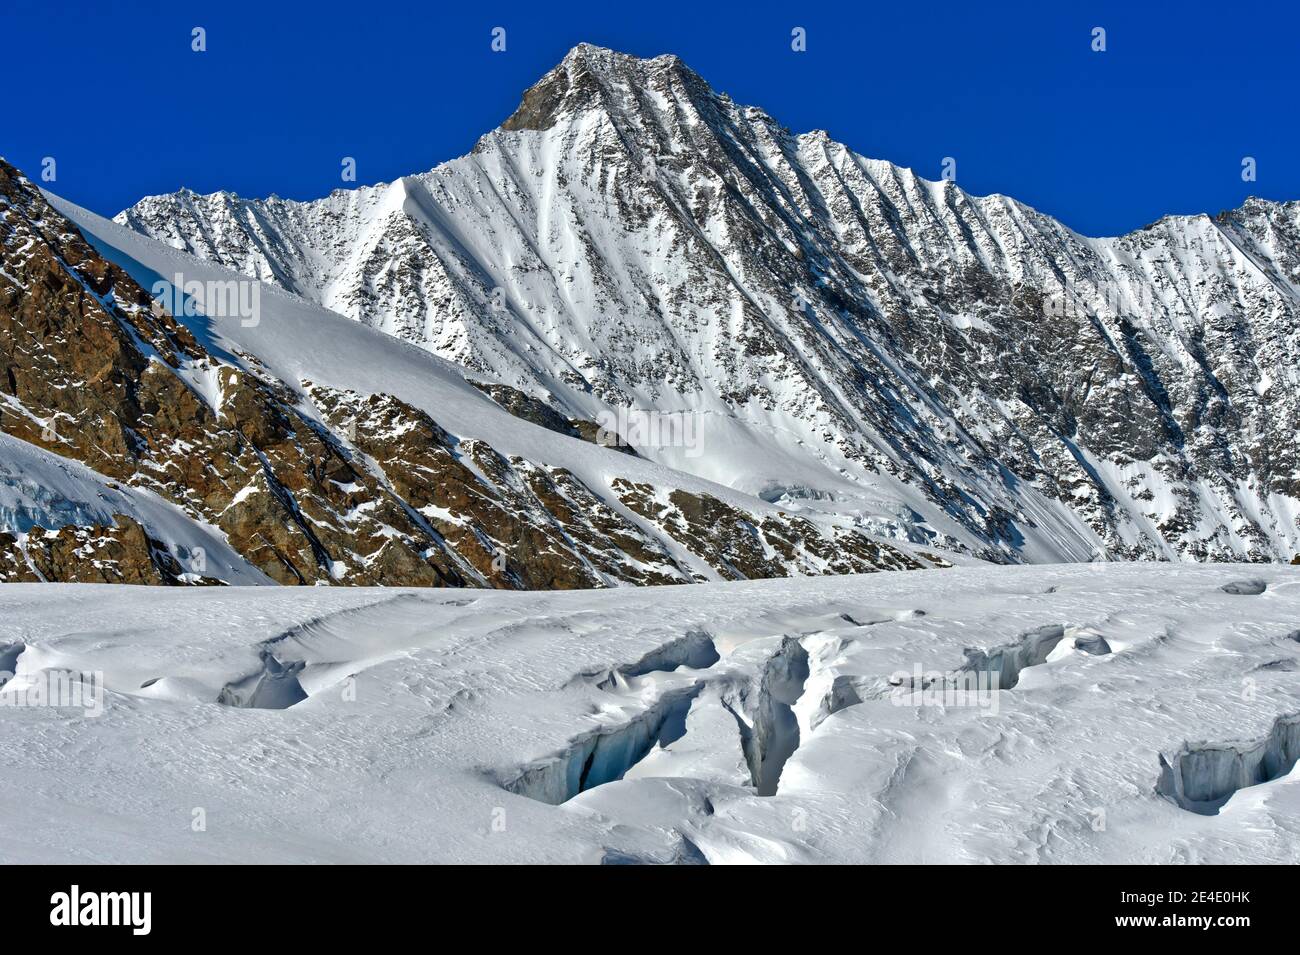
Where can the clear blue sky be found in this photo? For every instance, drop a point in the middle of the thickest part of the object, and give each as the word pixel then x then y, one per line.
pixel 1107 142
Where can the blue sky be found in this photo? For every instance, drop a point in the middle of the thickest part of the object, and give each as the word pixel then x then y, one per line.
pixel 1159 123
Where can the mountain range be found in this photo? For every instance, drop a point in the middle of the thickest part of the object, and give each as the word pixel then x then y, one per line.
pixel 875 370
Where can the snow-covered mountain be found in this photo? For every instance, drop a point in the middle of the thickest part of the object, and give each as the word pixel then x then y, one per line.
pixel 159 438
pixel 942 368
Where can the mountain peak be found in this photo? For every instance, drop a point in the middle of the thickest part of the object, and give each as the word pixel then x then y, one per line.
pixel 580 78
pixel 592 56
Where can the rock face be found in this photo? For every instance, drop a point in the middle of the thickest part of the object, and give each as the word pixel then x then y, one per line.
pixel 540 413
pixel 310 485
pixel 120 554
pixel 951 369
pixel 739 547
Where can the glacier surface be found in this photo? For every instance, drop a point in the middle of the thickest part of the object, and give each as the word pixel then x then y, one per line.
pixel 1149 720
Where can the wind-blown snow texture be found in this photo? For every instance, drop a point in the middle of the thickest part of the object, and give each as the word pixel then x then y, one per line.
pixel 960 371
pixel 1152 719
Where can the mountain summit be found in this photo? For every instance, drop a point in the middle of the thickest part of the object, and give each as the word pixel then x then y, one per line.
pixel 957 371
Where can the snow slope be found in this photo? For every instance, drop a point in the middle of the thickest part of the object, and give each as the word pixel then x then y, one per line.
pixel 299 341
pixel 421 726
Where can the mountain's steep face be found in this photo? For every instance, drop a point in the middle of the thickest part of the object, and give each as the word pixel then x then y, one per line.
pixel 951 369
pixel 296 482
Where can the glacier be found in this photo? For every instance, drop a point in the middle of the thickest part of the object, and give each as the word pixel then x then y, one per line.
pixel 620 726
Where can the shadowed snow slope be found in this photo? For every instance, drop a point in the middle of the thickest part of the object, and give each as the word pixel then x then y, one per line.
pixel 619 725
